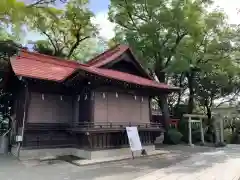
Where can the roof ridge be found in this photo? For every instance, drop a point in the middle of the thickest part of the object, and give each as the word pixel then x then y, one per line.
pixel 103 55
pixel 54 60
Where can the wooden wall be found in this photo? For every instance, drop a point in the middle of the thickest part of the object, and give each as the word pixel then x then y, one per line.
pixel 85 107
pixel 124 108
pixel 50 108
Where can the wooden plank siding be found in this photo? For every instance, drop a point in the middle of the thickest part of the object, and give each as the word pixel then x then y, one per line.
pixel 123 109
pixel 56 120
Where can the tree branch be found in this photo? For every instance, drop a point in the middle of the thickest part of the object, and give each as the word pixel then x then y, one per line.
pixel 165 40
pixel 146 9
pixel 51 40
pixel 173 49
pixel 75 45
pixel 204 49
pixel 129 14
pixel 41 2
pixel 228 100
pixel 56 42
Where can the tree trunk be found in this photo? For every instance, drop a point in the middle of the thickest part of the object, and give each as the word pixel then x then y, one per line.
pixel 209 114
pixel 180 93
pixel 190 77
pixel 162 101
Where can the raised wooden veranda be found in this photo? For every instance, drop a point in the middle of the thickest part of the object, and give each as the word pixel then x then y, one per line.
pixel 87 135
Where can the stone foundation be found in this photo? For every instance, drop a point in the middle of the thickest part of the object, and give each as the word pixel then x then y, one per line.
pixel 26 154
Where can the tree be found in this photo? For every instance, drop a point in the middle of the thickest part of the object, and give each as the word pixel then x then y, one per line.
pixel 14 13
pixel 196 51
pixel 8 48
pixel 90 49
pixel 45 2
pixel 154 29
pixel 64 29
pixel 209 56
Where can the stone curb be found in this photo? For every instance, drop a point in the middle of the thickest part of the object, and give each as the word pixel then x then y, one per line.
pixel 115 160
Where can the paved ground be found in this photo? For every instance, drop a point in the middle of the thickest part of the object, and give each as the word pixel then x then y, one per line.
pixel 219 164
pixel 181 161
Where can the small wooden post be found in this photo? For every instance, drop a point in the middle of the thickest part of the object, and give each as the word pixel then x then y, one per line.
pixel 216 127
pixel 190 130
pixel 222 131
pixel 202 133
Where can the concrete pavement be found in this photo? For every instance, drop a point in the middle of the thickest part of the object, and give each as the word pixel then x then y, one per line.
pixel 181 162
pixel 219 164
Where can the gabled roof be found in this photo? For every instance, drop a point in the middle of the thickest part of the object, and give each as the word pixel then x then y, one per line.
pixel 112 55
pixel 108 56
pixel 39 66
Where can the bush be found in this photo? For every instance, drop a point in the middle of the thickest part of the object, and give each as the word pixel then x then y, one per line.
pixel 234 138
pixel 228 136
pixel 179 110
pixel 196 136
pixel 174 136
pixel 183 129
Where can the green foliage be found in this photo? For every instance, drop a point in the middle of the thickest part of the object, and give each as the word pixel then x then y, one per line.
pixel 89 49
pixel 235 138
pixel 43 46
pixel 154 29
pixel 228 136
pixel 173 136
pixel 183 128
pixel 182 42
pixel 40 3
pixel 179 110
pixel 64 29
pixel 12 11
pixel 7 48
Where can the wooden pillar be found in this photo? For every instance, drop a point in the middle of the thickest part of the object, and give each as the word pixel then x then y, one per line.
pixel 190 131
pixel 24 118
pixel 89 139
pixel 216 128
pixel 76 110
pixel 202 133
pixel 221 130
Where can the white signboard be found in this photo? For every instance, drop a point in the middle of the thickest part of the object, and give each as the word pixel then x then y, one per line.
pixel 133 138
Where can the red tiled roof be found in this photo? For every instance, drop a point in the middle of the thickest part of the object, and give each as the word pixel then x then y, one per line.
pixel 111 55
pixel 41 66
pixel 38 66
pixel 121 76
pixel 107 56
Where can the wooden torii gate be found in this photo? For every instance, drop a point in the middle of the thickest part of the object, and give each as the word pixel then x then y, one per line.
pixel 194 118
pixel 223 115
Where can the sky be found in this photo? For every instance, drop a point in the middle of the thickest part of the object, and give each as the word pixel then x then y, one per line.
pixel 100 9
